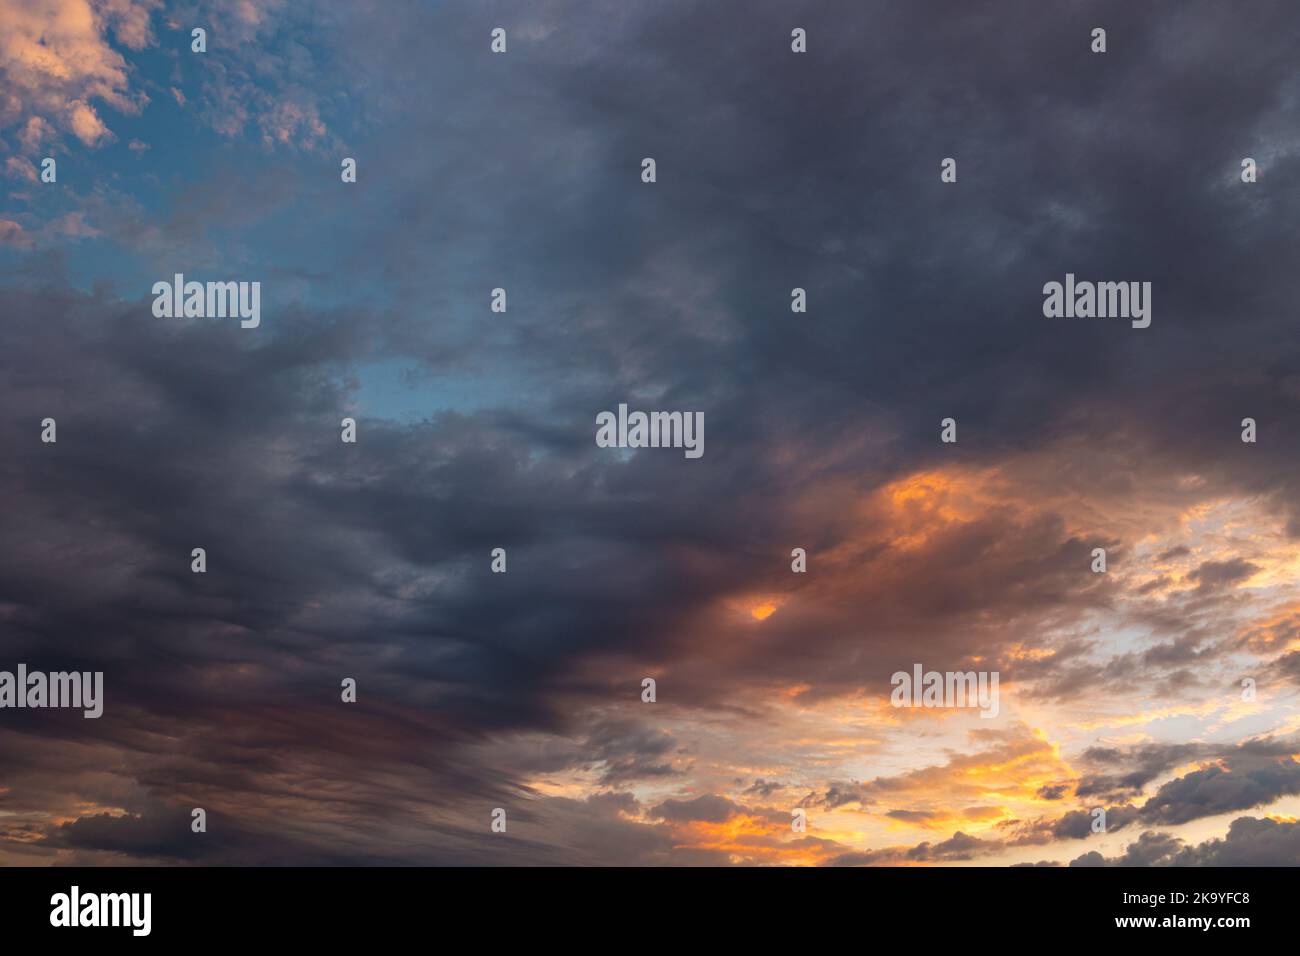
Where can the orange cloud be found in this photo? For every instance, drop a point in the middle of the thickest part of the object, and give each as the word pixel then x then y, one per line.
pixel 57 62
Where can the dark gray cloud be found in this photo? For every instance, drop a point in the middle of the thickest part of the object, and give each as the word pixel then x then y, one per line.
pixel 1241 776
pixel 1213 575
pixel 960 846
pixel 1240 783
pixel 762 789
pixel 705 809
pixel 1078 825
pixel 1250 841
pixel 1141 765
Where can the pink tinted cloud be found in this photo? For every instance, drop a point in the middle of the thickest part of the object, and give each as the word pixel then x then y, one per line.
pixel 60 69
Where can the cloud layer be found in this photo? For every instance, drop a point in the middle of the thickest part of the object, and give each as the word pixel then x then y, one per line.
pixel 1121 691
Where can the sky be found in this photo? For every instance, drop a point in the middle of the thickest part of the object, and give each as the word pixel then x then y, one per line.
pixel 522 691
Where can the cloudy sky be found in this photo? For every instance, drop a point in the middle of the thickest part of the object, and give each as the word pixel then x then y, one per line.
pixel 522 691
